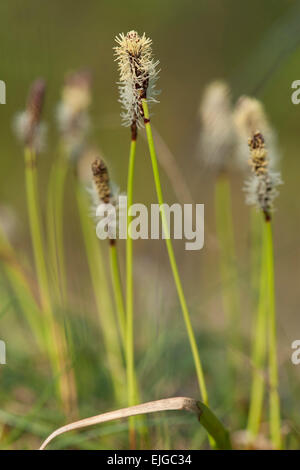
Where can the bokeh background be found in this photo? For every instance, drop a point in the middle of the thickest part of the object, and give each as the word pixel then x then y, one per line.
pixel 254 46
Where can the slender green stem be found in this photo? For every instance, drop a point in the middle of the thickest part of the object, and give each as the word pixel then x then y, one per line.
pixel 55 229
pixel 20 284
pixel 61 174
pixel 256 240
pixel 131 380
pixel 55 222
pixel 119 300
pixel 273 364
pixel 55 339
pixel 35 227
pixel 258 355
pixel 102 296
pixel 186 315
pixel 117 287
pixel 51 235
pixel 229 273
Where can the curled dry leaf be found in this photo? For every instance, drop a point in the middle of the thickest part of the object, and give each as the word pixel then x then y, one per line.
pixel 205 416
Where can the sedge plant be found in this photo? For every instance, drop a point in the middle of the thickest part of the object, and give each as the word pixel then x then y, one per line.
pixel 132 54
pixel 73 125
pixel 217 142
pixel 22 287
pixel 102 294
pixel 138 74
pixel 108 204
pixel 30 130
pixel 107 211
pixel 261 191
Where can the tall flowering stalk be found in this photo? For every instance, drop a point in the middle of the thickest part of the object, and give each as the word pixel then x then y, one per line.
pixel 73 124
pixel 30 129
pixel 137 71
pixel 100 283
pixel 261 190
pixel 109 204
pixel 138 76
pixel 180 292
pixel 249 115
pixel 217 144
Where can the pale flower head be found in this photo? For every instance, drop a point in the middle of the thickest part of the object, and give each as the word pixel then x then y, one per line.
pixel 217 136
pixel 72 112
pixel 138 75
pixel 249 115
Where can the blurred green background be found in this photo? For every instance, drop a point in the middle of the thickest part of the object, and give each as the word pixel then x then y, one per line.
pixel 254 45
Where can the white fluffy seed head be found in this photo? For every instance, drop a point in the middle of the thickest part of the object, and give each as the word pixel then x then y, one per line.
pixel 114 211
pixel 249 115
pixel 22 127
pixel 217 136
pixel 72 112
pixel 261 191
pixel 138 75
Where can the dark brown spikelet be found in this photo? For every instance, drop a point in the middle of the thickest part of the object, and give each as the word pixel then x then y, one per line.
pixel 258 159
pixel 35 106
pixel 101 180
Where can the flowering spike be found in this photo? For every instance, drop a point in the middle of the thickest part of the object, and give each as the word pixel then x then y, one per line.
pixel 35 101
pixel 27 124
pixel 101 180
pixel 138 74
pixel 261 188
pixel 72 112
pixel 249 115
pixel 217 137
pixel 110 205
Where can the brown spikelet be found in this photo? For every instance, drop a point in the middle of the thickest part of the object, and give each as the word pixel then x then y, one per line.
pixel 34 106
pixel 258 159
pixel 101 180
pixel 261 188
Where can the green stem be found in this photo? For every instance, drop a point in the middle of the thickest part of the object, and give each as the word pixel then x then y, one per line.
pixel 35 228
pixel 55 222
pixel 273 365
pixel 61 174
pixel 20 284
pixel 55 226
pixel 102 296
pixel 119 300
pixel 258 356
pixel 256 240
pixel 185 312
pixel 54 336
pixel 117 287
pixel 131 380
pixel 229 273
pixel 51 235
